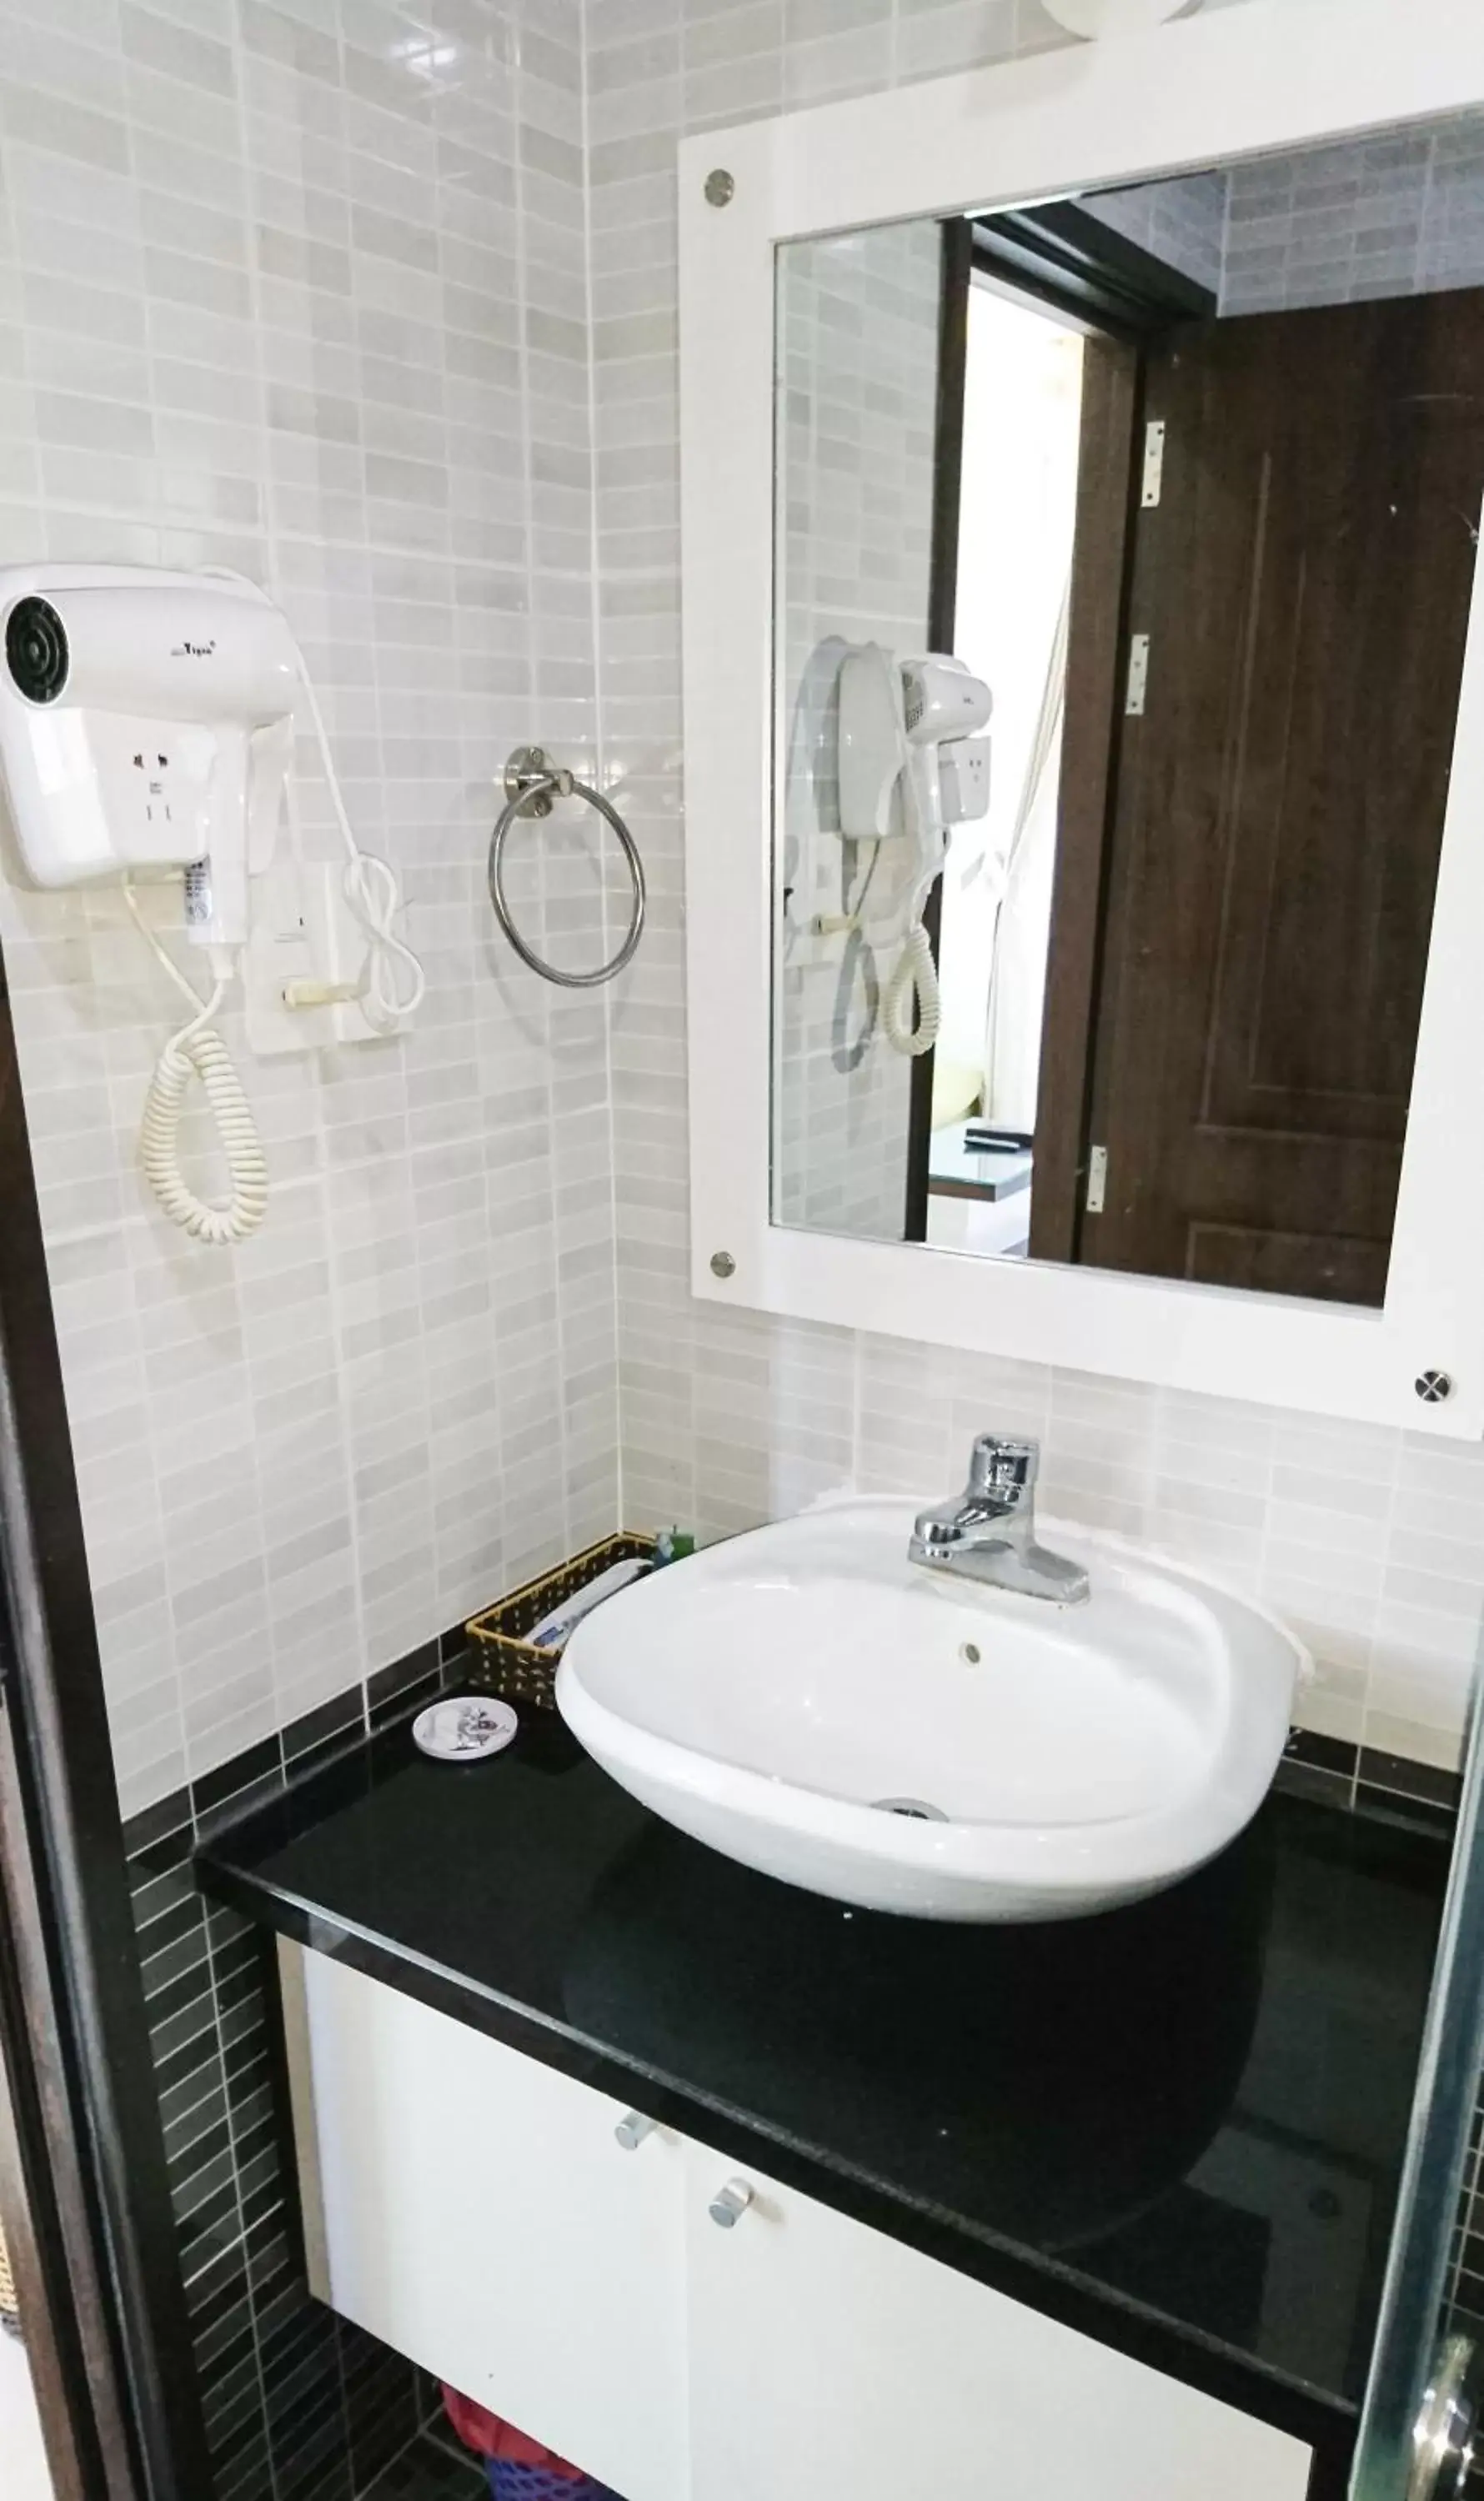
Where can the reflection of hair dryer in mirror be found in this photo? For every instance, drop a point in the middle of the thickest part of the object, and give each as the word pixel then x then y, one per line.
pixel 910 765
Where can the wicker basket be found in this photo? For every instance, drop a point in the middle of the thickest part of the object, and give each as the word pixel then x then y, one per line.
pixel 500 1658
pixel 10 2308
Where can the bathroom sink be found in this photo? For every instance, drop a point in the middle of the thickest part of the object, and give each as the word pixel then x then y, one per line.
pixel 805 1700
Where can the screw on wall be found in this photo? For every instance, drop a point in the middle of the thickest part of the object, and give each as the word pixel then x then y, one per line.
pixel 721 188
pixel 1433 1387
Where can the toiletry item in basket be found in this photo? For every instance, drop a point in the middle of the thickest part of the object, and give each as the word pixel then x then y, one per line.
pixel 554 1630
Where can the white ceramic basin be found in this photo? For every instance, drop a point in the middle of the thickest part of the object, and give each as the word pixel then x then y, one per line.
pixel 776 1696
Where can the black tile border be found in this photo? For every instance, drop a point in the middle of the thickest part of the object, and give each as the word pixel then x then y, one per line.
pixel 1399 1775
pixel 393 1689
pixel 1335 1771
pixel 95 2235
pixel 307 1744
pixel 299 2405
pixel 1331 1771
pixel 432 2469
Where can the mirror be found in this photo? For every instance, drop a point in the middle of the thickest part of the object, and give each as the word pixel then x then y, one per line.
pixel 1125 545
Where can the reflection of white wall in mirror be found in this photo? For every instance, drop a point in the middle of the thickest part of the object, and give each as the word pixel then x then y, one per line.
pixel 1400 213
pixel 858 323
pixel 1023 395
pixel 1098 17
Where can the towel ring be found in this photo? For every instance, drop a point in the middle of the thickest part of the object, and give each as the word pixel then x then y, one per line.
pixel 530 779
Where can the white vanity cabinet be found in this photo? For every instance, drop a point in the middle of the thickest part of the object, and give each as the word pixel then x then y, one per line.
pixel 828 2359
pixel 475 2210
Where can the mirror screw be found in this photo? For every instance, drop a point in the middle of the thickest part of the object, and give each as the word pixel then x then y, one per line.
pixel 1433 1387
pixel 723 1264
pixel 721 188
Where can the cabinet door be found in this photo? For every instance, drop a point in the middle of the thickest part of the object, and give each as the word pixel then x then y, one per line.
pixel 474 2210
pixel 826 2359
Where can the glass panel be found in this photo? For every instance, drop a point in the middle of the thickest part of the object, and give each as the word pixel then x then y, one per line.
pixel 1428 2287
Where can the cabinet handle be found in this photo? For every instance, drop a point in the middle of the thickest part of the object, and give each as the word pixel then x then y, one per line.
pixel 632 2129
pixel 731 2202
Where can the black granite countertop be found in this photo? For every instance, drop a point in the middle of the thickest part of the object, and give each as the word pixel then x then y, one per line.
pixel 1178 2126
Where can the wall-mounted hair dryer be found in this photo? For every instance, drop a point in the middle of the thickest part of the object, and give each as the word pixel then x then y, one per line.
pixel 146 726
pixel 911 765
pixel 147 722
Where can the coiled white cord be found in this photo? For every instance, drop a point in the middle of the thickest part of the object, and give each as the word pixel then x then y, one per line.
pixel 198 1050
pixel 392 986
pixel 914 983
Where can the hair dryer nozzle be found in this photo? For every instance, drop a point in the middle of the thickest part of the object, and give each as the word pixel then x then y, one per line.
pixel 943 700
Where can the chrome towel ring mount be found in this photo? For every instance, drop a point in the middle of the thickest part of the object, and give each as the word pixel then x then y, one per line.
pixel 531 782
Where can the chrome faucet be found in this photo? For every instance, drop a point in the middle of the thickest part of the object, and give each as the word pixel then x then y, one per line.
pixel 990 1535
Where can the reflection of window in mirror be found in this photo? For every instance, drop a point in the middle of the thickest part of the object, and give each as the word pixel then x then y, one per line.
pixel 1189 475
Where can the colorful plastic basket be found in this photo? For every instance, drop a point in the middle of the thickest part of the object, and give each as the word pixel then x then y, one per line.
pixel 510 2482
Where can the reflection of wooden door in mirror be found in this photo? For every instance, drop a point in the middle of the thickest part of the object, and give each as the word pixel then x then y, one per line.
pixel 1276 811
pixel 1111 386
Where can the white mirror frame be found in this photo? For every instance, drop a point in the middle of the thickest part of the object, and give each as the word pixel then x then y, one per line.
pixel 1267 74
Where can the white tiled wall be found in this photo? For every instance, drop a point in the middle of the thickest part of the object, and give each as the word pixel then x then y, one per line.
pixel 306 289
pixel 302 288
pixel 1372 1542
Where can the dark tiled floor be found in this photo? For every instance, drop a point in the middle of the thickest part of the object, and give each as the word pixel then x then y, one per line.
pixel 429 2471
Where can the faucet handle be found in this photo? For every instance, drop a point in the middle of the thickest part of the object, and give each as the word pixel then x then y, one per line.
pixel 1004 1464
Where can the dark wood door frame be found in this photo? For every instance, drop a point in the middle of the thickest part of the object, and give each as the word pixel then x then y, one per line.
pixel 1064 257
pixel 1112 409
pixel 97 2241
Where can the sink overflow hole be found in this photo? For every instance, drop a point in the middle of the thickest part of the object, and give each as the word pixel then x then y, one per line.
pixel 915 1807
pixel 970 1653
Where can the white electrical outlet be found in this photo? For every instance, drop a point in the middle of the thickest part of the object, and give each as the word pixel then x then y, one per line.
pixel 817 926
pixel 965 771
pixel 304 961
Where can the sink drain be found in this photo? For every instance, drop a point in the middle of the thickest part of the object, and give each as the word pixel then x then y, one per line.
pixel 916 1807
